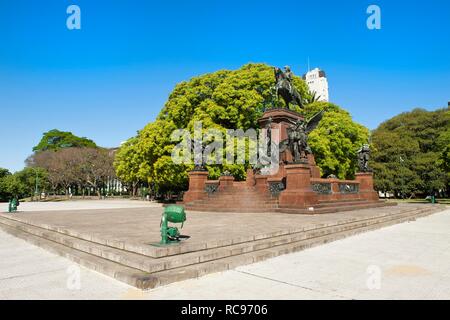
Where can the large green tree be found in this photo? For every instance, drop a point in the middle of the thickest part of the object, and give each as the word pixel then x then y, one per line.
pixel 32 178
pixel 411 153
pixel 22 183
pixel 4 194
pixel 56 140
pixel 335 141
pixel 15 187
pixel 231 100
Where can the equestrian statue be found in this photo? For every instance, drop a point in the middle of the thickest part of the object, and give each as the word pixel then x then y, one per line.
pixel 285 88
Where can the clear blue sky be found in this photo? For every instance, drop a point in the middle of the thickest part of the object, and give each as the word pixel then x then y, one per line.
pixel 109 79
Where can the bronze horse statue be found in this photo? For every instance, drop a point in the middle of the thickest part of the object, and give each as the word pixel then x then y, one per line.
pixel 286 89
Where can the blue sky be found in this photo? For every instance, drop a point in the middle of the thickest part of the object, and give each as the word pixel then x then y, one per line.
pixel 109 79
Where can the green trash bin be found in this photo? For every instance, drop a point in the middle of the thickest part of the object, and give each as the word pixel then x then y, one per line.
pixel 12 205
pixel 431 199
pixel 171 234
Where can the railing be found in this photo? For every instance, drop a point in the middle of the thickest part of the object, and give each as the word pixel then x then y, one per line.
pixel 334 186
pixel 348 187
pixel 211 186
pixel 276 187
pixel 322 187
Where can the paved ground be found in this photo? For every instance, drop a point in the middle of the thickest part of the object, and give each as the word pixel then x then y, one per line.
pixel 80 205
pixel 407 261
pixel 126 224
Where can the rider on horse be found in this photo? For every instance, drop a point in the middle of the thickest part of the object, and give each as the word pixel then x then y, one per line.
pixel 285 88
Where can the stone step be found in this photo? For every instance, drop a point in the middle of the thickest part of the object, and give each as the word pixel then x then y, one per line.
pixel 275 200
pixel 248 206
pixel 218 202
pixel 344 203
pixel 131 276
pixel 234 202
pixel 145 272
pixel 219 194
pixel 240 195
pixel 249 209
pixel 354 206
pixel 130 259
pixel 232 205
pixel 244 188
pixel 150 264
pixel 220 265
pixel 237 198
pixel 338 201
pixel 335 209
pixel 225 200
pixel 230 209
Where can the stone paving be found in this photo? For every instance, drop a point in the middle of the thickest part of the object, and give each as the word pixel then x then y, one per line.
pixel 81 205
pixel 145 266
pixel 413 260
pixel 139 226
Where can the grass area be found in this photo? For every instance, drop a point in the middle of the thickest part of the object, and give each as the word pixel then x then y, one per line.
pixel 438 200
pixel 74 198
pixel 50 199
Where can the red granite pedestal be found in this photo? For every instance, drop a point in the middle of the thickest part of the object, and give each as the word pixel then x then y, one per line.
pixel 281 119
pixel 197 180
pixel 261 183
pixel 315 170
pixel 366 190
pixel 298 192
pixel 225 182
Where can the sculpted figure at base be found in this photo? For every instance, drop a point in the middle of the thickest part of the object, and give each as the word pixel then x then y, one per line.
pixel 199 163
pixel 269 137
pixel 363 158
pixel 297 141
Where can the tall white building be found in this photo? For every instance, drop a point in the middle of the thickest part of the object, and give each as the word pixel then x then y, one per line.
pixel 318 83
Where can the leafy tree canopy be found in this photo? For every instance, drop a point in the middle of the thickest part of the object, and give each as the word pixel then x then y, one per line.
pixel 21 183
pixel 56 140
pixel 411 152
pixel 4 172
pixel 335 141
pixel 231 100
pixel 4 194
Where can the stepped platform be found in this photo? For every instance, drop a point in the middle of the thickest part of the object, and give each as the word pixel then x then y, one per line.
pixel 118 242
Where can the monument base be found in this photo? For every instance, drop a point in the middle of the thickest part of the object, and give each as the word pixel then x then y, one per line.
pixel 298 192
pixel 366 190
pixel 197 181
pixel 289 187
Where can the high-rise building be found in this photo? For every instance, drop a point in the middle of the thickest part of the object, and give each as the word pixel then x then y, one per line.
pixel 318 83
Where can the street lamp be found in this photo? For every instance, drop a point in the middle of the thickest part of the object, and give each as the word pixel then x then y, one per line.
pixel 402 176
pixel 36 190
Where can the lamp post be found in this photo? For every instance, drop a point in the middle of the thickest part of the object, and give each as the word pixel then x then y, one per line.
pixel 36 190
pixel 403 175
